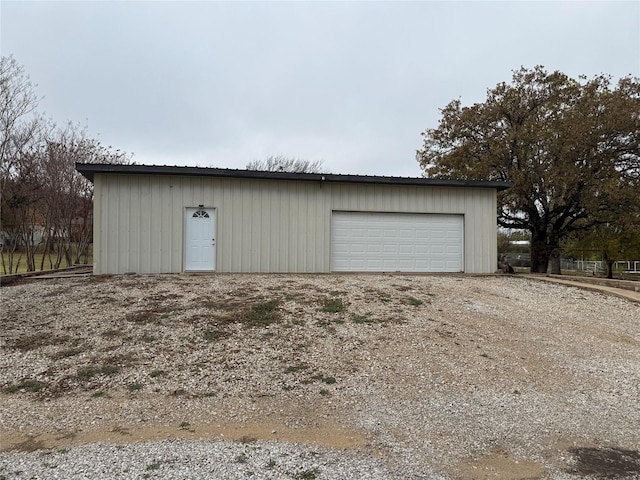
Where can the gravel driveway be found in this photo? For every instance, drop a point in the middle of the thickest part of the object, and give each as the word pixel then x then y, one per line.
pixel 317 377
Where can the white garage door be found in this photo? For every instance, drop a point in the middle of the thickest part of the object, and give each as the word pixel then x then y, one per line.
pixel 396 242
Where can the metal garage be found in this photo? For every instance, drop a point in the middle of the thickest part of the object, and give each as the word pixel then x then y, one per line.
pixel 167 219
pixel 396 242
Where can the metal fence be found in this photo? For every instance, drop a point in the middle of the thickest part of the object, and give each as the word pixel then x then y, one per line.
pixel 628 266
pixel 595 267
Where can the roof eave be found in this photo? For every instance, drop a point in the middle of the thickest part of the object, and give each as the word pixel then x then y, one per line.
pixel 88 170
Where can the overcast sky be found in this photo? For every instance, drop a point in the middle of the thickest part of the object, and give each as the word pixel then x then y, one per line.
pixel 353 84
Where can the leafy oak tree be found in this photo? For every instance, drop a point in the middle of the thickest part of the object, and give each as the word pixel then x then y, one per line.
pixel 616 239
pixel 570 147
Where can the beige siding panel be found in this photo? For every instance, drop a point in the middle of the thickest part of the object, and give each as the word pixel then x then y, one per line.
pixel 98 205
pixel 263 225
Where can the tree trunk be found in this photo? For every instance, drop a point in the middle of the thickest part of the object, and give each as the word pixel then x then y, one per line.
pixel 47 246
pixel 609 262
pixel 84 238
pixel 9 253
pixel 555 261
pixel 540 252
pixel 30 249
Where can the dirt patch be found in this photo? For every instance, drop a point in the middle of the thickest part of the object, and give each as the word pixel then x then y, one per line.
pixel 500 465
pixel 606 462
pixel 326 434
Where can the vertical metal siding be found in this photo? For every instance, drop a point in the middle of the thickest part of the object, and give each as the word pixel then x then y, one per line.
pixel 262 225
pixel 98 205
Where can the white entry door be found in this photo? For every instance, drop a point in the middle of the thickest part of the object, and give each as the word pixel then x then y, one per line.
pixel 200 240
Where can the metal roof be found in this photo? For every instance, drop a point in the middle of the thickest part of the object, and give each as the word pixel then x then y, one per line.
pixel 90 169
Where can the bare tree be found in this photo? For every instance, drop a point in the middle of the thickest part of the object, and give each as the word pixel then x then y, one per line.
pixel 280 163
pixel 20 128
pixel 19 120
pixel 69 211
pixel 46 205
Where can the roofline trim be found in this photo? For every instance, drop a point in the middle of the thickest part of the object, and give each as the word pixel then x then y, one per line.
pixel 88 170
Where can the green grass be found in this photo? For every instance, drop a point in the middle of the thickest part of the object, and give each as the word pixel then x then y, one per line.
pixel 310 474
pixel 296 368
pixel 333 305
pixel 327 380
pixel 86 372
pixel 31 342
pixel 262 314
pixel 91 371
pixel 22 263
pixel 364 319
pixel 214 335
pixel 142 316
pixel 154 465
pixel 109 370
pixel 414 301
pixel 32 386
pixel 69 352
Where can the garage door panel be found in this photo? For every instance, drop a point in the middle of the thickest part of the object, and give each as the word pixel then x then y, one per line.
pixel 391 249
pixel 437 266
pixel 358 263
pixel 375 249
pixel 341 248
pixel 370 241
pixel 405 249
pixel 387 265
pixel 358 248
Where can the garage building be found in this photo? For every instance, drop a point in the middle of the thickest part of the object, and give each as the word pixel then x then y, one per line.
pixel 165 219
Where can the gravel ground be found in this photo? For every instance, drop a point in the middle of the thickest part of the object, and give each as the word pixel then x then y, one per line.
pixel 317 376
